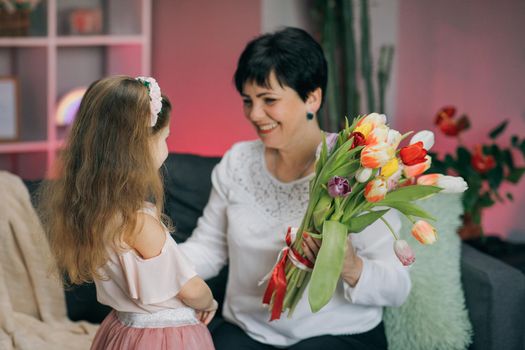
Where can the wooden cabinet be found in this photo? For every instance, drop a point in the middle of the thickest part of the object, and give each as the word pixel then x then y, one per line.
pixel 51 61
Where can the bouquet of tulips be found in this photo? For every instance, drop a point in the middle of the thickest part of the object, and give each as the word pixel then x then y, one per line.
pixel 360 175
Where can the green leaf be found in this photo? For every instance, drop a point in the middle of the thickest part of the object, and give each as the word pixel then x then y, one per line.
pixel 495 176
pixel 411 193
pixel 507 158
pixel 450 162
pixel 407 208
pixel 323 156
pixel 498 130
pixel 510 197
pixel 328 265
pixel 347 169
pixel 522 147
pixel 485 200
pixel 514 141
pixel 495 151
pixel 463 155
pixel 471 195
pixel 359 223
pixel 515 175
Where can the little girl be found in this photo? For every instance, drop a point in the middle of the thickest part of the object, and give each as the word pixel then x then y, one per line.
pixel 102 229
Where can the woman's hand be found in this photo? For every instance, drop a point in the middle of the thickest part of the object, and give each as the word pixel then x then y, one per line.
pixel 352 264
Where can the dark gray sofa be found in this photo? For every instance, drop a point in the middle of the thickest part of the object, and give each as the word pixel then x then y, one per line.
pixel 494 291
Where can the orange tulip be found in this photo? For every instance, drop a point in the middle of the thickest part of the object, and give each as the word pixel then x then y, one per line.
pixel 418 169
pixel 375 156
pixel 424 232
pixel 379 134
pixel 429 179
pixel 376 190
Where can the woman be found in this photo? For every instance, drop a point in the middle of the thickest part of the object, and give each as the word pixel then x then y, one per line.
pixel 261 187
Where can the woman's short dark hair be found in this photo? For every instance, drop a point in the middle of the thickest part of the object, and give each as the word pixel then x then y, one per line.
pixel 295 57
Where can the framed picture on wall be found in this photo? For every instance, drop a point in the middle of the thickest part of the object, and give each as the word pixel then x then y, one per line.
pixel 8 109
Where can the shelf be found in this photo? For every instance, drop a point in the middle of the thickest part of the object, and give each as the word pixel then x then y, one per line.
pixel 23 147
pixel 99 40
pixel 23 42
pixel 51 60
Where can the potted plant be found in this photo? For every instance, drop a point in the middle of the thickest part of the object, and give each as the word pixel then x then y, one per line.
pixel 484 166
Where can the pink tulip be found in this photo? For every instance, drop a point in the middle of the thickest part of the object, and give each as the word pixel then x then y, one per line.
pixel 418 169
pixel 424 232
pixel 403 252
pixel 375 156
pixel 376 190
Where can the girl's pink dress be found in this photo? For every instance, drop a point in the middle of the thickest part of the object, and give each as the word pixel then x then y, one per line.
pixel 146 313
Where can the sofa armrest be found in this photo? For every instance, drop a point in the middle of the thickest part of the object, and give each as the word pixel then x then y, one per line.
pixel 495 298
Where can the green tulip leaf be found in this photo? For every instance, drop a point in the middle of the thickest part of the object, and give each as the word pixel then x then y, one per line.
pixel 411 193
pixel 407 208
pixel 328 264
pixel 359 223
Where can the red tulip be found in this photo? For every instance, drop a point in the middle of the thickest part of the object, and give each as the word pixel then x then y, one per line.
pixel 413 154
pixel 447 112
pixel 448 125
pixel 481 162
pixel 359 139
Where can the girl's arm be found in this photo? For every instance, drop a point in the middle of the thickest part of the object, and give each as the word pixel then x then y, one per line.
pixel 196 294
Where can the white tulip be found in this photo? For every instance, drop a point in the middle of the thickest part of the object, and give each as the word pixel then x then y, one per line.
pixel 452 184
pixel 425 136
pixel 363 174
pixel 393 138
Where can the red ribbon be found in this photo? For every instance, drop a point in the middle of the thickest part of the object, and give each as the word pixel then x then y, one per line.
pixel 277 282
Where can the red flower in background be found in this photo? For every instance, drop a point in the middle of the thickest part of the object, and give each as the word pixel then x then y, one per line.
pixel 481 162
pixel 413 154
pixel 485 167
pixel 448 125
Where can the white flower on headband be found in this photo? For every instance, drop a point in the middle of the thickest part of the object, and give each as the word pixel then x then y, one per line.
pixel 154 96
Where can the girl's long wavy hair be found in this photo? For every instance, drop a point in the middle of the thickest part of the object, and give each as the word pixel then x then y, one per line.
pixel 106 173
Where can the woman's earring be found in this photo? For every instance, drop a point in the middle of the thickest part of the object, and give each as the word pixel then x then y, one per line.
pixel 309 116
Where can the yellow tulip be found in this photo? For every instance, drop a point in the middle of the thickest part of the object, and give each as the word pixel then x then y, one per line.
pixel 390 168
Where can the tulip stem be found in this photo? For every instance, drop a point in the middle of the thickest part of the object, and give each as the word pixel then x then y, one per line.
pixel 390 228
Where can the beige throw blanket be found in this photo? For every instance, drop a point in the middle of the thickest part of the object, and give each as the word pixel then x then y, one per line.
pixel 32 303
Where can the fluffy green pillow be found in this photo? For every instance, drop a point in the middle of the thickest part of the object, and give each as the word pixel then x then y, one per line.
pixel 434 315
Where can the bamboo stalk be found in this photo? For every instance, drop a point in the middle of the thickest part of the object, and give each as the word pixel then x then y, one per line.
pixel 366 61
pixel 349 47
pixel 329 44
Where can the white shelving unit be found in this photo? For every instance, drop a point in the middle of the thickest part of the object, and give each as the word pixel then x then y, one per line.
pixel 50 63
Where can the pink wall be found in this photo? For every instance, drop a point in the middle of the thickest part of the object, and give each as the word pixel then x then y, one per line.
pixel 196 44
pixel 470 54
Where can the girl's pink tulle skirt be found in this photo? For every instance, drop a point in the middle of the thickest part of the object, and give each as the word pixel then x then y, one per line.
pixel 113 334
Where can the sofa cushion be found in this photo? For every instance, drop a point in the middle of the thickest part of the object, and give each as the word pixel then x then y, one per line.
pixel 434 315
pixel 187 182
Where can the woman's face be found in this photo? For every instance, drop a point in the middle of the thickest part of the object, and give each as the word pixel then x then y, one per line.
pixel 159 147
pixel 278 113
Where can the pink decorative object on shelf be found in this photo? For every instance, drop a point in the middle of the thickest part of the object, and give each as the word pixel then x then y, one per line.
pixel 86 21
